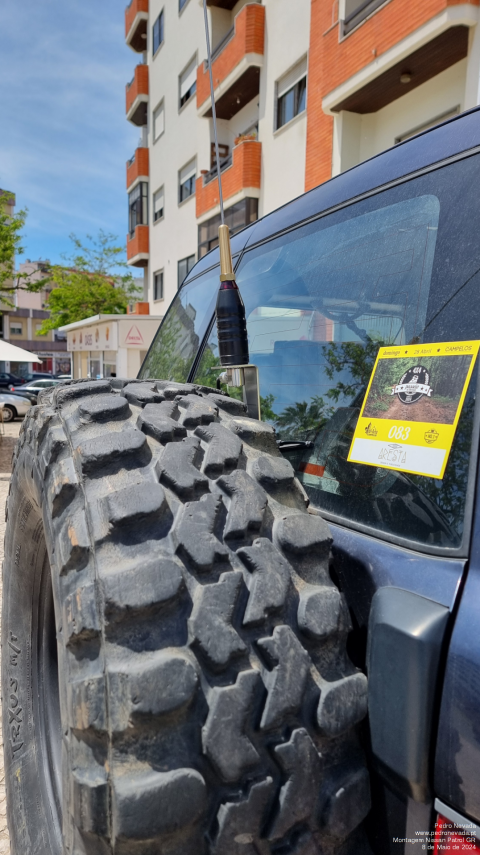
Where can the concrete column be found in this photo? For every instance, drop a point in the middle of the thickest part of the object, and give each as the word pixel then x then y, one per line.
pixel 472 81
pixel 346 141
pixel 122 362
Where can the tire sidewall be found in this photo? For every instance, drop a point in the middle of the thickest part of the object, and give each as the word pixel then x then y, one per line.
pixel 31 806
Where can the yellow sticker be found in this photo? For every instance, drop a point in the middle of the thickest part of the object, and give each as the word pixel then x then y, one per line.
pixel 412 406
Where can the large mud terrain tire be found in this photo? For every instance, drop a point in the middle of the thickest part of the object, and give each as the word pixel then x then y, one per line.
pixel 175 675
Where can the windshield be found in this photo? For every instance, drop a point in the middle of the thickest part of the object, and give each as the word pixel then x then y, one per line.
pixel 398 268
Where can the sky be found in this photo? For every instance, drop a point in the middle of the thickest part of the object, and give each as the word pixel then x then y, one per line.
pixel 64 138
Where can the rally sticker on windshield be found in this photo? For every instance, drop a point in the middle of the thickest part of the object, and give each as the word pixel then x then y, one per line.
pixel 412 406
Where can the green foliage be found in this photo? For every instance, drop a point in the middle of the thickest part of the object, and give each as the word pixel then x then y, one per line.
pixel 11 226
pixel 165 360
pixel 355 358
pixel 266 411
pixel 303 420
pixel 90 284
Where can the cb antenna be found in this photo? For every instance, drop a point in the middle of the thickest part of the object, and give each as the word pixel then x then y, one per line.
pixel 230 309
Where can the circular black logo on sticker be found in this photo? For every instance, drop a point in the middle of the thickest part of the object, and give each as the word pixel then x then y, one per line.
pixel 414 384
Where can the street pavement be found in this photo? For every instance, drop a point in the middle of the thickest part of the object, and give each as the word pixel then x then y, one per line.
pixel 7 444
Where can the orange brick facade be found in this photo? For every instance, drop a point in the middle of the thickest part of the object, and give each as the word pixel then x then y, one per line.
pixel 132 11
pixel 244 172
pixel 249 38
pixel 139 85
pixel 138 244
pixel 332 62
pixel 138 167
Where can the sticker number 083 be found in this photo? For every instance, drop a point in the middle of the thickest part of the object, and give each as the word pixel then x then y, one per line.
pixel 398 432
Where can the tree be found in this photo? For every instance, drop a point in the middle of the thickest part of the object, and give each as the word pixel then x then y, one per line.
pixel 90 284
pixel 303 420
pixel 11 226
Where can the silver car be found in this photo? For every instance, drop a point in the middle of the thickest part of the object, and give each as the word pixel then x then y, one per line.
pixel 13 406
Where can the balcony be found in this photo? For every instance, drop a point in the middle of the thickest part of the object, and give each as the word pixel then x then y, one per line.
pixel 240 178
pixel 137 96
pixel 137 167
pixel 136 22
pixel 236 64
pixel 138 247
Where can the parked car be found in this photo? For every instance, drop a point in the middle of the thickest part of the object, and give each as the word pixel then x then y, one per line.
pixel 188 627
pixel 13 406
pixel 7 380
pixel 30 390
pixel 32 376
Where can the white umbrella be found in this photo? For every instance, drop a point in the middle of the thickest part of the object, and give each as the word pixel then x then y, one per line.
pixel 12 353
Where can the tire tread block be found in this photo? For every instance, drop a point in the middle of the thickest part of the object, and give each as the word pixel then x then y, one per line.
pixel 298 798
pixel 223 451
pixel 348 805
pixel 224 740
pixel 152 804
pixel 89 797
pixel 342 704
pixel 286 682
pixel 195 533
pixel 65 394
pixel 319 610
pixel 133 505
pixel 151 685
pixel 141 394
pixel 112 448
pixel 159 426
pixel 196 410
pixel 240 823
pixel 72 547
pixel 210 622
pixel 247 505
pixel 303 534
pixel 102 408
pixel 157 581
pixel 176 468
pixel 271 575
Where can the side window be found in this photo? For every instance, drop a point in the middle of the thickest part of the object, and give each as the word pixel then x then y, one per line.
pixel 186 181
pixel 157 33
pixel 321 300
pixel 158 121
pixel 291 94
pixel 184 267
pixel 177 342
pixel 158 204
pixel 187 83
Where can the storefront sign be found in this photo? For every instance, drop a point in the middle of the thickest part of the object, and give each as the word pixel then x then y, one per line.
pixel 98 337
pixel 412 406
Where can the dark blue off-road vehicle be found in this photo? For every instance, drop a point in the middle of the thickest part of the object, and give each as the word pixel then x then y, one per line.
pixel 194 598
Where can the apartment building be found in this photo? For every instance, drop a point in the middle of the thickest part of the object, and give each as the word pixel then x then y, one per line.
pixel 304 90
pixel 21 326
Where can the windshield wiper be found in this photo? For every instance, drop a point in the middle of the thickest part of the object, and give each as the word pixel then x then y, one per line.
pixel 294 444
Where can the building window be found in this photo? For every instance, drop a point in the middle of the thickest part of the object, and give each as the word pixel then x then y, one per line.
pixel 186 181
pixel 292 94
pixel 158 204
pixel 158 121
pixel 356 11
pixel 138 207
pixel 16 329
pixel 184 267
pixel 187 82
pixel 236 217
pixel 181 4
pixel 158 285
pixel 157 33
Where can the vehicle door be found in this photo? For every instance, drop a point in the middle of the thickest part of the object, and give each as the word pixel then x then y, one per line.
pixel 396 268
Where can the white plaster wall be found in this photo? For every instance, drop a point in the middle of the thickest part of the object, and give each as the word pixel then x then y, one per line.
pixel 440 94
pixel 185 137
pixel 287 27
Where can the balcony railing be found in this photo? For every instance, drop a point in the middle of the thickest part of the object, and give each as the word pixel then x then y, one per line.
pixel 137 96
pixel 138 166
pixel 218 48
pixel 213 172
pixel 241 177
pixel 138 247
pixel 136 22
pixel 236 64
